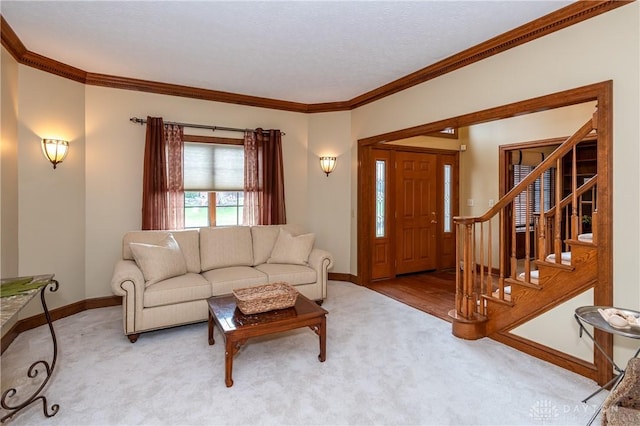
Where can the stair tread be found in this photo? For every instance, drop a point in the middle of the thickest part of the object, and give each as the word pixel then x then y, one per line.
pixel 587 238
pixel 494 298
pixel 565 258
pixel 534 276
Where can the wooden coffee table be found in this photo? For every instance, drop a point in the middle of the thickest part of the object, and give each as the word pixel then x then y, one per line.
pixel 237 327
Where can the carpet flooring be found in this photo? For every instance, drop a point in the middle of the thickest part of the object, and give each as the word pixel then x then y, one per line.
pixel 387 363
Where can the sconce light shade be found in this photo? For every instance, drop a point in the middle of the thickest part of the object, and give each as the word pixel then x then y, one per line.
pixel 55 150
pixel 328 164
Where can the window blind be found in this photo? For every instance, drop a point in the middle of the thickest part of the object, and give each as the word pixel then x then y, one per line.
pixel 213 167
pixel 519 173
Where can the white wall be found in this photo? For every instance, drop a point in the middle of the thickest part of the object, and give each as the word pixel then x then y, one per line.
pixel 430 142
pixel 602 48
pixel 51 202
pixel 330 197
pixel 9 166
pixel 8 170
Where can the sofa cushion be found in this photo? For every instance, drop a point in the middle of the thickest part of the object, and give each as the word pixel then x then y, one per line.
pixel 183 288
pixel 223 280
pixel 264 238
pixel 188 240
pixel 161 261
pixel 291 274
pixel 223 247
pixel 292 249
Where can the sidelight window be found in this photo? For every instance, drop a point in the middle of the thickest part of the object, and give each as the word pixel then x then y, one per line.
pixel 447 198
pixel 380 198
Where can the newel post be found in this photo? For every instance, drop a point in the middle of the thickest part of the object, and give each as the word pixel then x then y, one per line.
pixel 467 308
pixel 466 322
pixel 464 269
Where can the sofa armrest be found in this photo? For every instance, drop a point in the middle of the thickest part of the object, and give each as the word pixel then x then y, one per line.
pixel 321 261
pixel 128 282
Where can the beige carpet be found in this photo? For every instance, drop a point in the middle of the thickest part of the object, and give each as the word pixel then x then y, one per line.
pixel 387 363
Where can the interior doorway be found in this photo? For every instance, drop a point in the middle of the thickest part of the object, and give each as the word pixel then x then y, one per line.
pixel 414 193
pixel 598 93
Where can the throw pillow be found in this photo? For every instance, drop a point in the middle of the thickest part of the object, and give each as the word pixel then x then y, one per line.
pixel 290 249
pixel 159 262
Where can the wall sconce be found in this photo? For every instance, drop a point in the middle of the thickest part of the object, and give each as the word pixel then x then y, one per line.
pixel 55 150
pixel 328 164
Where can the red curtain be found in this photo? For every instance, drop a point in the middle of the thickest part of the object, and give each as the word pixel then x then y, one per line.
pixel 173 136
pixel 252 181
pixel 162 187
pixel 264 202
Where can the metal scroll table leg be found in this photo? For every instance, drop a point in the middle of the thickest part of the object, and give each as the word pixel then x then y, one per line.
pixel 7 396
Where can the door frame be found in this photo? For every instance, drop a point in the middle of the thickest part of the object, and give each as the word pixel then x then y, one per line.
pixel 440 154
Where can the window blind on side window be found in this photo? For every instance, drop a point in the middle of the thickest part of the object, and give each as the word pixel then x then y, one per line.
pixel 213 167
pixel 519 173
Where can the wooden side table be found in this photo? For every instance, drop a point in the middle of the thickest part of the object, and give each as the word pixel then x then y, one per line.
pixel 28 288
pixel 590 315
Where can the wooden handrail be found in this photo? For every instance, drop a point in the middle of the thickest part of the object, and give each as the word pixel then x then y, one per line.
pixel 560 152
pixel 579 192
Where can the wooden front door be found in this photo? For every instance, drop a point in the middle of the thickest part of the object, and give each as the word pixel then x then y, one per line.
pixel 416 212
pixel 414 199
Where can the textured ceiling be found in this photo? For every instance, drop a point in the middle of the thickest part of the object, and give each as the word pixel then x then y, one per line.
pixel 299 51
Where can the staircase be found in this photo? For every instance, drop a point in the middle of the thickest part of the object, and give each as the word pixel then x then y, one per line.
pixel 496 291
pixel 549 285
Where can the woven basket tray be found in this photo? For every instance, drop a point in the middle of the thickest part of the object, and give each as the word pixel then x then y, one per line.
pixel 265 298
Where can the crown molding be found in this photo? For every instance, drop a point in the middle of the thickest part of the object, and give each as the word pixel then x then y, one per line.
pixel 191 92
pixel 11 41
pixel 21 54
pixel 562 18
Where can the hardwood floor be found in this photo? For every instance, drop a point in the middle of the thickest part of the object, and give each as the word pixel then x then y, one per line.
pixel 430 292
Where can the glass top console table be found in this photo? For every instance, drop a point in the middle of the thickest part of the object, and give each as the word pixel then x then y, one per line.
pixel 590 315
pixel 15 294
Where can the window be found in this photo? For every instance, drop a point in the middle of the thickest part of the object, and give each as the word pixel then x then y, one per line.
pixel 447 179
pixel 196 209
pixel 213 184
pixel 381 198
pixel 449 132
pixel 520 202
pixel 227 208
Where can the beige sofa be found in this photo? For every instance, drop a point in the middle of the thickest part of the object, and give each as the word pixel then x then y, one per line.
pixel 165 277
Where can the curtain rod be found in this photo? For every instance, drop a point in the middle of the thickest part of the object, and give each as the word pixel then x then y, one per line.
pixel 142 121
